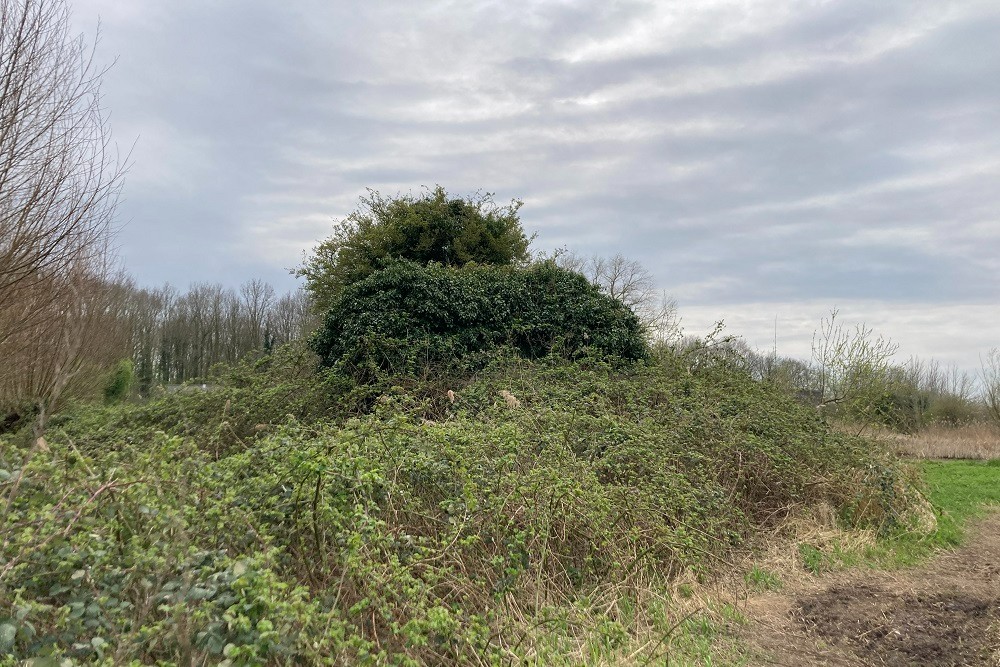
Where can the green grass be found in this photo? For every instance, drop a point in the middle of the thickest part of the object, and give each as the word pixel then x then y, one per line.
pixel 961 490
pixel 759 579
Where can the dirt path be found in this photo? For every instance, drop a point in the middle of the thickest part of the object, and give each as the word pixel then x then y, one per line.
pixel 946 612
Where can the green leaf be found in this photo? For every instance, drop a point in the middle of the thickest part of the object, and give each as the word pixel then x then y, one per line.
pixel 199 593
pixel 7 635
pixel 47 661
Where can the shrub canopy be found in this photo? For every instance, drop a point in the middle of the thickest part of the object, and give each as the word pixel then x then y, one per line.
pixel 406 316
pixel 257 524
pixel 430 228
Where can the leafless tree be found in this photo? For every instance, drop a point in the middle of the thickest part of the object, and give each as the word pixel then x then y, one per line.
pixel 175 337
pixel 291 317
pixel 989 376
pixel 931 391
pixel 145 314
pixel 853 368
pixel 628 281
pixel 257 299
pixel 60 178
pixel 79 336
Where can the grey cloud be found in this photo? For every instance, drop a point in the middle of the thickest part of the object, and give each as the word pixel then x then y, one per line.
pixel 772 152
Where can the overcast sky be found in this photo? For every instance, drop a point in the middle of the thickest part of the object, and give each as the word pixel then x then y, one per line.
pixel 767 160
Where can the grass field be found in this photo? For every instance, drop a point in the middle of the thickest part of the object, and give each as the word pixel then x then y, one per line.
pixel 961 490
pixel 961 467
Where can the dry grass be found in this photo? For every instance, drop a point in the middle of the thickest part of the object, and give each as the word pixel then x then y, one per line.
pixel 978 441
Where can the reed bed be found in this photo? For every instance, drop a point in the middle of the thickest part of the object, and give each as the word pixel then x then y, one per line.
pixel 974 441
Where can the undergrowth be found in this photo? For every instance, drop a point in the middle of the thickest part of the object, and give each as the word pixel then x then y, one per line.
pixel 955 491
pixel 538 514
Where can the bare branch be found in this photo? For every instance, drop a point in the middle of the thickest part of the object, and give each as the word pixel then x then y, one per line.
pixel 629 282
pixel 60 178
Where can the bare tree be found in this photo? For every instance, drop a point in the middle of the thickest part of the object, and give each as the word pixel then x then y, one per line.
pixel 257 299
pixel 59 183
pixel 989 375
pixel 291 317
pixel 176 337
pixel 71 346
pixel 628 281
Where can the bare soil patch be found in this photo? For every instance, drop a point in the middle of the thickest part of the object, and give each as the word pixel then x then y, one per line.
pixel 946 612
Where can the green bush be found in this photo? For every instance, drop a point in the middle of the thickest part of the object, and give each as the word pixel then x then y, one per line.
pixel 239 404
pixel 529 530
pixel 406 318
pixel 433 227
pixel 119 384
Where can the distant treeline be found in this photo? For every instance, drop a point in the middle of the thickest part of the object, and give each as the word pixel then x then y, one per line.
pixel 174 337
pixel 901 396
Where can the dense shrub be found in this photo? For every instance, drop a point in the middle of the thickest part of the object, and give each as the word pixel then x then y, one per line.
pixel 520 526
pixel 432 227
pixel 120 381
pixel 237 404
pixel 407 317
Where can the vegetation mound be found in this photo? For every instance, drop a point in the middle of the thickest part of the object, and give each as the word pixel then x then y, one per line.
pixel 541 516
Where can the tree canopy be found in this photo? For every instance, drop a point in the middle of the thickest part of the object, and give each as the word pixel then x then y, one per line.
pixel 432 227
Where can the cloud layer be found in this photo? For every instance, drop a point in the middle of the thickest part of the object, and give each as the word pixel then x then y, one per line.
pixel 770 154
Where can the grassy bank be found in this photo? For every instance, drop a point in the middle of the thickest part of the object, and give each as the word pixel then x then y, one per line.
pixel 955 491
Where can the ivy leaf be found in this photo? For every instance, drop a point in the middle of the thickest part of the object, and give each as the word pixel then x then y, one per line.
pixel 7 635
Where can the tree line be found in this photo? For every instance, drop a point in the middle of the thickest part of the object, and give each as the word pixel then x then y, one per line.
pixel 853 375
pixel 68 312
pixel 166 336
pixel 174 336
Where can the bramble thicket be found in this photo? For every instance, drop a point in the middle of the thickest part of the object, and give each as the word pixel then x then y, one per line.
pixel 474 464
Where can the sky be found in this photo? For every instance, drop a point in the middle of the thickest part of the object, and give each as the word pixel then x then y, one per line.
pixel 767 160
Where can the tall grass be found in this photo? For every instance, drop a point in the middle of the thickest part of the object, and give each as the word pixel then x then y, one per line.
pixel 972 441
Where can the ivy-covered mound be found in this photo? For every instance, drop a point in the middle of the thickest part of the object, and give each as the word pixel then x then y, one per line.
pixel 406 317
pixel 540 519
